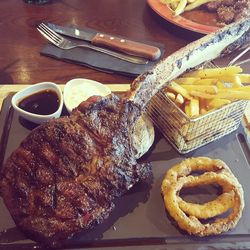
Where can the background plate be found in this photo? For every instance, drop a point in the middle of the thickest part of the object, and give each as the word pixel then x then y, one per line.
pixel 195 20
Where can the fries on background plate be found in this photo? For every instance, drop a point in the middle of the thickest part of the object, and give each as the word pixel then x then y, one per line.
pixel 179 6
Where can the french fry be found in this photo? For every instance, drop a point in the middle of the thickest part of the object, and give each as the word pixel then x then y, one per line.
pixel 234 80
pixel 187 109
pixel 214 72
pixel 207 81
pixel 170 95
pixel 171 3
pixel 243 88
pixel 244 78
pixel 232 94
pixel 220 85
pixel 166 1
pixel 217 103
pixel 199 94
pixel 174 5
pixel 196 4
pixel 195 80
pixel 192 108
pixel 180 7
pixel 210 89
pixel 187 80
pixel 203 106
pixel 237 81
pixel 195 108
pixel 179 89
pixel 179 100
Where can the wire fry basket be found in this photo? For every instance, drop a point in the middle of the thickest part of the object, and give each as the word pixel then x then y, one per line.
pixel 187 134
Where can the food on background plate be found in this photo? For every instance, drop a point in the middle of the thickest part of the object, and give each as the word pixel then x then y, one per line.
pixel 179 6
pixel 204 90
pixel 227 11
pixel 65 175
pixel 189 215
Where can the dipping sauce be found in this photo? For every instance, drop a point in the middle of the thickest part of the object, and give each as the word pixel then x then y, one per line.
pixel 45 102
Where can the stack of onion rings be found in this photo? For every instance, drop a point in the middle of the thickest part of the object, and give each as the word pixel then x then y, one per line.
pixel 188 215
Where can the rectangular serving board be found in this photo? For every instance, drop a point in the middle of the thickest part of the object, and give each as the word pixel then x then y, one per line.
pixel 139 218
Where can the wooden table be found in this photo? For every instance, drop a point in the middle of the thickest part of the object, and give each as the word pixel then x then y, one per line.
pixel 21 43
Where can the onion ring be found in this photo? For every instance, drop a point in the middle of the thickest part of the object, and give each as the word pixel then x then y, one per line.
pixel 210 209
pixel 218 172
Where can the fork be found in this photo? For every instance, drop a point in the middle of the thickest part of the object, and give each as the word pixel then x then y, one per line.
pixel 64 43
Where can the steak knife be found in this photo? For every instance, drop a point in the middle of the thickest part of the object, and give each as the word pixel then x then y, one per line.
pixel 112 42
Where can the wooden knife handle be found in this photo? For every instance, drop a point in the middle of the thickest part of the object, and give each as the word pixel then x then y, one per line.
pixel 127 46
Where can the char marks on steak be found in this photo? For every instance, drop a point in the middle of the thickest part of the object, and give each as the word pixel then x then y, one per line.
pixel 65 174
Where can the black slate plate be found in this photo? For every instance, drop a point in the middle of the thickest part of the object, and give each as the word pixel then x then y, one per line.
pixel 139 219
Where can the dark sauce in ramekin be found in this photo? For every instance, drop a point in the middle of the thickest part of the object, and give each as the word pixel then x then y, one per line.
pixel 45 102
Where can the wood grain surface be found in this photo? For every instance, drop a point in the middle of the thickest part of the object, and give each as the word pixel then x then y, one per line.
pixel 20 43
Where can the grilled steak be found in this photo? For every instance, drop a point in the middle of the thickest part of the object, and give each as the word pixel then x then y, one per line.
pixel 65 174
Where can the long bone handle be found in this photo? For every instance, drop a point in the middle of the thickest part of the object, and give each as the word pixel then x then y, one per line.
pixel 205 49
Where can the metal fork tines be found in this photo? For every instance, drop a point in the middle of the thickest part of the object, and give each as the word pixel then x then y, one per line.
pixel 65 43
